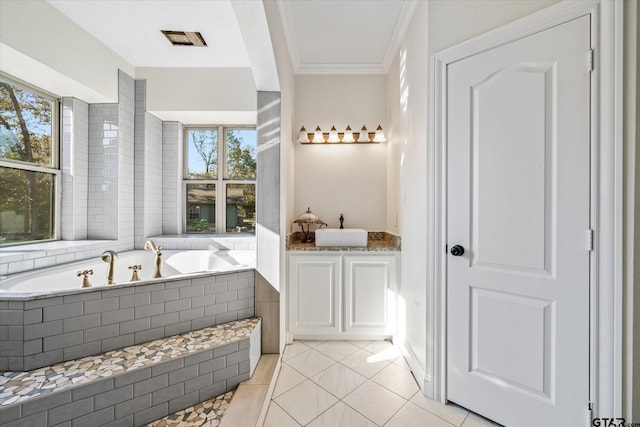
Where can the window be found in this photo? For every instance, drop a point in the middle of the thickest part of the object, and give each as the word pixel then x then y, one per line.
pixel 28 163
pixel 219 179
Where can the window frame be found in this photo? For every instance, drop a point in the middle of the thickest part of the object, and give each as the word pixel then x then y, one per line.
pixel 52 169
pixel 221 182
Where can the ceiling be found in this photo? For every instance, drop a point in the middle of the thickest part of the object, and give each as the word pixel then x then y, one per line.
pixel 323 36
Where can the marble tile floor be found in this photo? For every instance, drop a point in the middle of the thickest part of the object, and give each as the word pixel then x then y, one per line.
pixel 352 384
pixel 206 414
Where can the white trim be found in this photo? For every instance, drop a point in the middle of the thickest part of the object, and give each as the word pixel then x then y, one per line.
pixel 607 208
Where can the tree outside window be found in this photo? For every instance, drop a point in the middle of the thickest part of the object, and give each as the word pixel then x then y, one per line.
pixel 27 177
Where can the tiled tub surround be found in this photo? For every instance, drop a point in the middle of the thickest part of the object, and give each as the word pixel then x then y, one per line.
pixel 134 385
pixel 376 241
pixel 37 332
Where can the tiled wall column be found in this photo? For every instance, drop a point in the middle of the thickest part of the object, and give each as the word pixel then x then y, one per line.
pixel 102 204
pixel 126 117
pixel 74 163
pixel 172 155
pixel 148 170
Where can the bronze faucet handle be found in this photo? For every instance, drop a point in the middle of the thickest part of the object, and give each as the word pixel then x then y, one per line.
pixel 85 279
pixel 134 275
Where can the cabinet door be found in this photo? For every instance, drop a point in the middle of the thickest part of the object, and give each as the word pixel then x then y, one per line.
pixel 370 294
pixel 314 298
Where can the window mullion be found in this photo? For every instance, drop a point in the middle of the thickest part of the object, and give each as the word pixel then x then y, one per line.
pixel 221 203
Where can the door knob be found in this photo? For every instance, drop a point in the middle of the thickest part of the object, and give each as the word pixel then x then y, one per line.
pixel 457 250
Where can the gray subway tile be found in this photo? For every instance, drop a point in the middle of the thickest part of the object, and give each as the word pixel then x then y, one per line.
pixel 164 295
pixel 183 374
pixel 40 330
pixel 132 406
pixel 134 300
pixel 11 348
pixel 130 378
pixel 178 328
pixel 183 402
pixel 63 311
pixel 46 402
pixel 155 287
pixel 10 413
pixel 61 341
pixel 113 397
pixel 212 391
pixel 149 335
pixel 84 296
pixel 226 317
pixel 93 389
pixel 39 419
pixel 164 319
pixel 42 302
pixel 146 416
pixel 70 411
pixel 233 382
pixel 247 312
pixel 244 366
pixel 226 277
pixel 11 317
pixel 116 316
pixel 100 333
pixel 225 373
pixel 226 296
pixel 203 322
pixel 191 291
pixel 198 357
pixel 83 322
pixel 100 305
pixel 199 382
pixel 225 349
pixel 165 367
pixel 135 325
pixel 212 365
pixel 150 385
pixel 240 304
pixel 191 314
pixel 246 293
pixel 168 393
pixel 121 422
pixel 117 292
pixel 82 350
pixel 213 310
pixel 237 284
pixel 96 418
pixel 33 316
pixel 177 305
pixel 42 359
pixel 215 288
pixel 203 300
pixel 177 284
pixel 117 342
pixel 14 363
pixel 149 310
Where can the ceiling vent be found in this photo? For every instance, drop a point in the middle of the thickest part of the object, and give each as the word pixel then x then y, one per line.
pixel 184 38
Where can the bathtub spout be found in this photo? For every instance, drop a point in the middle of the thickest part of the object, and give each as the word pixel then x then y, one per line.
pixel 157 250
pixel 110 257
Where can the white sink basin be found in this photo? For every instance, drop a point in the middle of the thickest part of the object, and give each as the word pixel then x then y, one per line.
pixel 344 237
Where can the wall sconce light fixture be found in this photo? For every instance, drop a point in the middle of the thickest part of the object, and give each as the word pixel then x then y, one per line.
pixel 346 137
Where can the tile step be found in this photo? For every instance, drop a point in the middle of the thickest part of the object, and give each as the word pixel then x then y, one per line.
pixel 136 384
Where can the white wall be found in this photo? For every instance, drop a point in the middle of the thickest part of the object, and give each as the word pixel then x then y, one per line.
pixel 335 179
pixel 435 25
pixel 201 95
pixel 44 47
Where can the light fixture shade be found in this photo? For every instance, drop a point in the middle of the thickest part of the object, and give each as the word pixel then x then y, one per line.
pixel 317 135
pixel 348 135
pixel 303 136
pixel 379 136
pixel 364 135
pixel 333 135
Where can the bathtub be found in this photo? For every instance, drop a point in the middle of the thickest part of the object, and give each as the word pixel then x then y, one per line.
pixel 176 264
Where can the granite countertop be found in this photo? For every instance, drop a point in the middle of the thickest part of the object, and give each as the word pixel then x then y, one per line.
pixel 377 241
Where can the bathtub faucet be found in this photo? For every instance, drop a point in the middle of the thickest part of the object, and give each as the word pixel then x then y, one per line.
pixel 157 250
pixel 110 257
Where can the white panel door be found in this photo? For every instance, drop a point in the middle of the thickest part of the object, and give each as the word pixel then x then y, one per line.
pixel 315 294
pixel 518 144
pixel 370 294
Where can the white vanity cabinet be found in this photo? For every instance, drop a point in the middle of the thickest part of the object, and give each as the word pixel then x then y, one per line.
pixel 342 295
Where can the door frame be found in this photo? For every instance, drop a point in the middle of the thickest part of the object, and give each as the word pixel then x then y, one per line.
pixel 606 273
